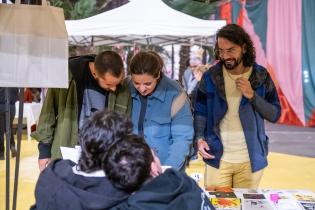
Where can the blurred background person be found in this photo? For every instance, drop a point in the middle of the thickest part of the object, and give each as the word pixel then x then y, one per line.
pixel 13 96
pixel 199 71
pixel 32 95
pixel 189 79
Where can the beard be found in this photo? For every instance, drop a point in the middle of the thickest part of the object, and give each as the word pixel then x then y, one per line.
pixel 231 63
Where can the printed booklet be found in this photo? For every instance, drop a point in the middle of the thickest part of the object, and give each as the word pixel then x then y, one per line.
pixel 226 203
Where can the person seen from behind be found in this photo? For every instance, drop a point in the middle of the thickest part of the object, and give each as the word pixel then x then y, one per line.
pixel 65 185
pixel 131 166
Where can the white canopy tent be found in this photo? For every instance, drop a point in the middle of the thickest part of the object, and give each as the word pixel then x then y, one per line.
pixel 142 22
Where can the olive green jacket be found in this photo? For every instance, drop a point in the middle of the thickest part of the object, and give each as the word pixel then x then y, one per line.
pixel 58 121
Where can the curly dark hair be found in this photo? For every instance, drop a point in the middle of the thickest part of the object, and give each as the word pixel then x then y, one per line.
pixel 236 34
pixel 128 163
pixel 99 132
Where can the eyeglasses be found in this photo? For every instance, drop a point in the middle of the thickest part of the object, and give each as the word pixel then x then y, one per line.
pixel 221 52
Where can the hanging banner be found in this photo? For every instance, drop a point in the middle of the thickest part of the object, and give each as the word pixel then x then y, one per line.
pixel 33 46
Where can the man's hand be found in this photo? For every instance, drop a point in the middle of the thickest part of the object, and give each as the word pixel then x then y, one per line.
pixel 244 86
pixel 43 163
pixel 203 147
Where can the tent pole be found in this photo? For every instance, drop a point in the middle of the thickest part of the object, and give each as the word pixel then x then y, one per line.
pixel 18 139
pixel 172 61
pixel 19 135
pixel 7 148
pixel 204 55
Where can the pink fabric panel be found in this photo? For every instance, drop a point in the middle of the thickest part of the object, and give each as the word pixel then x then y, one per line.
pixel 284 49
pixel 249 28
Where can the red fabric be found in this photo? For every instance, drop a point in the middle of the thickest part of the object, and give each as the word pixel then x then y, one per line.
pixel 28 98
pixel 311 122
pixel 241 14
pixel 226 12
pixel 288 116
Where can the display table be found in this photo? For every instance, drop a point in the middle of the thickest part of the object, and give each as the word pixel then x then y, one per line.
pixel 31 113
pixel 263 199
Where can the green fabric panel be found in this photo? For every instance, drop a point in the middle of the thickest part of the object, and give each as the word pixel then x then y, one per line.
pixel 236 8
pixel 308 53
pixel 257 13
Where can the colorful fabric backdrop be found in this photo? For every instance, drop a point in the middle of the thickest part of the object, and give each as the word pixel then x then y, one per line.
pixel 283 32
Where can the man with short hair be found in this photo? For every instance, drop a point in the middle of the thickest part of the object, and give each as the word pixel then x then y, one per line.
pixel 131 166
pixel 95 83
pixel 233 99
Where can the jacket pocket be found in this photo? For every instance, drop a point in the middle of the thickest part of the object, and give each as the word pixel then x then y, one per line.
pixel 160 127
pixel 120 108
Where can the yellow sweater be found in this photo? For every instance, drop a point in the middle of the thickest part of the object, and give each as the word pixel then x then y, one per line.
pixel 233 139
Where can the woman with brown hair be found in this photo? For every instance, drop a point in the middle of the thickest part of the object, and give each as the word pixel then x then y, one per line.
pixel 160 110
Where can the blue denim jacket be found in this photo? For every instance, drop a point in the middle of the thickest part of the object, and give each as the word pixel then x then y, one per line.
pixel 170 137
pixel 211 107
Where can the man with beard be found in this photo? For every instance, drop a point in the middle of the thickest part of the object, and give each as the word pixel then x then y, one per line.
pixel 95 83
pixel 233 99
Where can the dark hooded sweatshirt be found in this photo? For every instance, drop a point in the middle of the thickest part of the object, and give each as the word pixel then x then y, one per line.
pixel 58 188
pixel 172 190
